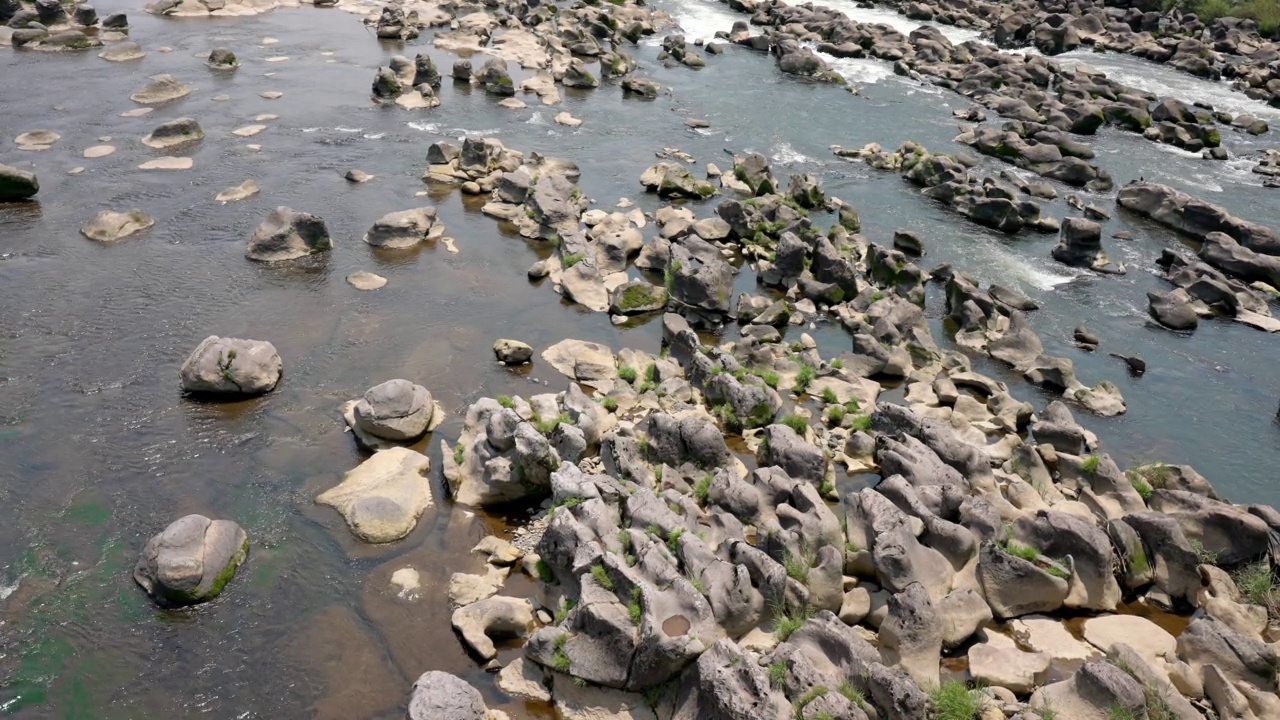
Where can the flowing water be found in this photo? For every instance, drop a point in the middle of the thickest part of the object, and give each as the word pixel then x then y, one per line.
pixel 98 450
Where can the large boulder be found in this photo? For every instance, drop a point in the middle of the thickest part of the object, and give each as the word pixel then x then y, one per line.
pixel 1014 586
pixel 383 498
pixel 17 184
pixel 911 635
pixel 191 560
pixel 1194 217
pixel 440 696
pixel 161 89
pixel 1172 309
pixel 700 281
pixel 231 366
pixel 725 684
pixel 288 235
pixel 405 228
pixel 1081 244
pixel 396 410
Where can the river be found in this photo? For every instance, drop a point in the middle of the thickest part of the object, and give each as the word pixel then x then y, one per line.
pixel 99 450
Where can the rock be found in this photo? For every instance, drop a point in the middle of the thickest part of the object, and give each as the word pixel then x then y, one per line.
pixel 37 140
pixel 17 184
pixel 1080 244
pixel 405 229
pixel 161 89
pixel 703 282
pixel 724 684
pixel 1097 691
pixel 440 696
pixel 568 120
pixel 909 242
pixel 1210 642
pixel 108 226
pixel 222 59
pixel 1014 586
pixel 98 151
pixel 123 52
pixel 384 496
pixel 174 132
pixel 168 163
pixel 1084 338
pixel 911 635
pixel 999 662
pixel 637 297
pixel 192 560
pixel 395 410
pixel 586 362
pixel 231 366
pixel 1173 309
pixel 784 448
pixel 512 352
pixel 288 235
pixel 1195 217
pixel 357 176
pixel 1150 641
pixel 243 191
pixel 496 616
pixel 522 678
pixel 363 280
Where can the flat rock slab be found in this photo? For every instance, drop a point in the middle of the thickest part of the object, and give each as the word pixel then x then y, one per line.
pixel 37 140
pixel 1149 639
pixel 587 362
pixel 248 130
pixel 137 112
pixel 161 89
pixel 168 163
pixel 1040 633
pixel 362 280
pixel 244 190
pixel 266 117
pixel 272 95
pixel 109 226
pixel 99 151
pixel 383 498
pixel 123 52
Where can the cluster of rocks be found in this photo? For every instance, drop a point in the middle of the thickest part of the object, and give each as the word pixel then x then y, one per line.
pixel 996 203
pixel 673 576
pixel 222 8
pixel 57 26
pixel 409 84
pixel 1228 47
pixel 1269 168
pixel 1033 90
pixel 1236 272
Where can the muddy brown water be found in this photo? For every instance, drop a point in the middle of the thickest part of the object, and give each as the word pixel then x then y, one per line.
pixel 98 450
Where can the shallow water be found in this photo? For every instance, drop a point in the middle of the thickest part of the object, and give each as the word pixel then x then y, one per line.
pixel 98 450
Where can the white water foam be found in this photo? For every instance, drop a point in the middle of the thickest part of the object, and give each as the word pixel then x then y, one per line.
pixel 1168 82
pixel 901 23
pixel 785 154
pixel 348 130
pixel 375 136
pixel 699 20
pixel 860 71
pixel 536 119
pixel 1005 265
pixel 7 590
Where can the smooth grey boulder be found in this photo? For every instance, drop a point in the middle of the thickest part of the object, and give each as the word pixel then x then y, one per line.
pixel 161 89
pixel 512 352
pixel 1014 587
pixel 396 410
pixel 911 635
pixel 288 235
pixel 701 281
pixel 786 449
pixel 1172 309
pixel 725 684
pixel 692 438
pixel 192 560
pixel 441 696
pixel 1080 244
pixel 405 228
pixel 231 366
pixel 17 184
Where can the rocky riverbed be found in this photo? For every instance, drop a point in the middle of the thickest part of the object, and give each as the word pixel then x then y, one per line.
pixel 581 360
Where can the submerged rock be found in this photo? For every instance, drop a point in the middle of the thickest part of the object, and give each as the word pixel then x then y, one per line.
pixel 108 226
pixel 396 410
pixel 222 59
pixel 383 498
pixel 161 89
pixel 174 132
pixel 288 235
pixel 192 560
pixel 512 352
pixel 405 229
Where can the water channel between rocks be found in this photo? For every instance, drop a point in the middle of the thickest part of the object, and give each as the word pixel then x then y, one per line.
pixel 99 450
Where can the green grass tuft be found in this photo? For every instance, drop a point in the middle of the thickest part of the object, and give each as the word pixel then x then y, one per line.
pixel 797 423
pixel 777 673
pixel 804 379
pixel 702 489
pixel 610 404
pixel 787 622
pixel 571 260
pixel 829 396
pixel 1091 463
pixel 506 401
pixel 954 701
pixel 627 373
pixel 635 608
pixel 1257 586
pixel 602 577
pixel 861 422
pixel 546 427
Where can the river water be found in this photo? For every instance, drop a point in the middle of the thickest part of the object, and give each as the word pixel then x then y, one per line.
pixel 98 450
